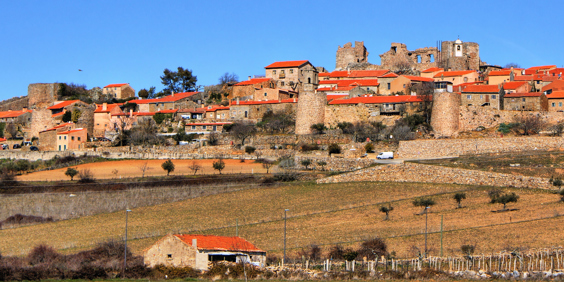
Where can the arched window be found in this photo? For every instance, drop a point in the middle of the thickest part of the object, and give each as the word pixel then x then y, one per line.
pixel 309 80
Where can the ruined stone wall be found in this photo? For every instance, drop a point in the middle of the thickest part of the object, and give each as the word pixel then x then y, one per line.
pixel 473 117
pixel 420 59
pixel 311 110
pixel 15 103
pixel 351 55
pixel 410 172
pixel 42 95
pixel 40 120
pixel 434 148
pixel 445 113
pixel 86 119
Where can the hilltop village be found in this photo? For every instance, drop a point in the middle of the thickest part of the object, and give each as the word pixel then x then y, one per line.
pixel 434 92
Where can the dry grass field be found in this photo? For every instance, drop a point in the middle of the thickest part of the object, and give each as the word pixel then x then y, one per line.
pixel 130 168
pixel 320 214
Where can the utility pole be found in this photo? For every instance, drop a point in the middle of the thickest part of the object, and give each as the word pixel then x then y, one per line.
pixel 284 258
pixel 125 250
pixel 426 212
pixel 441 235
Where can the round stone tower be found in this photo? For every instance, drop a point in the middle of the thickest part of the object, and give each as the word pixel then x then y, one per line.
pixel 311 104
pixel 445 114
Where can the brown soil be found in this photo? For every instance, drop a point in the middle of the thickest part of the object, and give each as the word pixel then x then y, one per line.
pixel 130 168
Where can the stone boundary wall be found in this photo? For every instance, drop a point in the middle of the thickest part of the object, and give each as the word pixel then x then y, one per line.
pixel 333 163
pixel 410 172
pixel 472 117
pixel 435 148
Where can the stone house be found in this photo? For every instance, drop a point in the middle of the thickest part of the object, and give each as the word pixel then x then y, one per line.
pixel 103 115
pixel 499 76
pixel 405 82
pixel 214 113
pixel 255 110
pixel 343 87
pixel 457 77
pixel 556 101
pixel 532 101
pixel 73 139
pixel 170 102
pixel 483 95
pixel 516 87
pixel 245 89
pixel 194 113
pixel 384 105
pixel 557 85
pixel 119 91
pixel 267 94
pixel 197 251
pixel 204 127
pixel 289 74
pixel 353 74
pixel 385 87
pixel 48 137
pixel 21 117
pixel 61 106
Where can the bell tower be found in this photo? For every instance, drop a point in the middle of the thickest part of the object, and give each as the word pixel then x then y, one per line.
pixel 311 104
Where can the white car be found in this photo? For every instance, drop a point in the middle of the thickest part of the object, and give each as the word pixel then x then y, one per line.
pixel 385 155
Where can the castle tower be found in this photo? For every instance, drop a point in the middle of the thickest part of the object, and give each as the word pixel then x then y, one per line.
pixel 351 55
pixel 445 114
pixel 458 55
pixel 311 104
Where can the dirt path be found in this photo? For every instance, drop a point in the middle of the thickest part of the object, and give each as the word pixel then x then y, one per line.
pixel 130 168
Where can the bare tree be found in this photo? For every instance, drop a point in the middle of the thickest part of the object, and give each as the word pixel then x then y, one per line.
pixel 115 172
pixel 120 124
pixel 267 164
pixel 143 168
pixel 512 65
pixel 402 67
pixel 242 130
pixel 530 124
pixel 145 132
pixel 425 91
pixel 195 167
pixel 12 129
pixel 228 78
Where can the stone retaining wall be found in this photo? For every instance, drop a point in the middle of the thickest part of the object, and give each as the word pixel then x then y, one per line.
pixel 416 149
pixel 333 163
pixel 410 172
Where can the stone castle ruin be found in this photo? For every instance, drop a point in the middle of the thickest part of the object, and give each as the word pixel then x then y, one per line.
pixel 453 55
pixel 311 104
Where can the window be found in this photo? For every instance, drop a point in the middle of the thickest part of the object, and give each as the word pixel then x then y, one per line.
pixel 265 94
pixel 274 72
pixel 204 127
pixel 215 128
pixel 458 48
pixel 72 138
pixel 466 79
pixel 554 104
pixel 494 97
pixel 59 147
pixel 64 147
pixel 523 99
pixel 481 97
pixel 78 138
pixel 291 71
pixel 246 114
pixel 59 137
pixel 169 255
pixel 468 97
pixel 389 85
pixel 559 104
pixel 65 137
pixel 282 83
pixel 404 86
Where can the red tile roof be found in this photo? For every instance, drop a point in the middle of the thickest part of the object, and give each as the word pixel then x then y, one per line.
pixel 219 243
pixel 452 73
pixel 72 131
pixel 292 100
pixel 324 74
pixel 115 85
pixel 13 114
pixel 252 81
pixel 196 110
pixel 513 85
pixel 500 73
pixel 523 78
pixel 334 97
pixel 418 78
pixel 481 89
pixel 556 95
pixel 109 107
pixel 556 71
pixel 286 64
pixel 432 70
pixel 352 82
pixel 533 70
pixel 378 100
pixel 58 126
pixel 62 104
pixel 169 98
pixel 3 139
pixel 58 114
pixel 216 108
pixel 368 73
pixel 520 95
pixel 389 75
pixel 339 74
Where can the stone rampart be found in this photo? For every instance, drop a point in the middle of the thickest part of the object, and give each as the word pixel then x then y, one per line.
pixel 472 117
pixel 356 113
pixel 416 149
pixel 333 163
pixel 42 95
pixel 410 172
pixel 15 103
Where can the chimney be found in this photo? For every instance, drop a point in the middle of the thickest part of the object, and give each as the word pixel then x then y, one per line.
pixel 195 243
pixel 249 77
pixel 237 100
pixel 130 112
pixel 172 93
pixel 104 106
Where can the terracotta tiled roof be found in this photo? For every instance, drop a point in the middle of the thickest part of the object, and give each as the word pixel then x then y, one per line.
pixel 13 114
pixel 216 108
pixel 367 73
pixel 292 100
pixel 378 100
pixel 252 81
pixel 208 123
pixel 481 89
pixel 334 97
pixel 324 74
pixel 432 70
pixel 219 243
pixel 339 74
pixel 513 85
pixel 351 82
pixel 533 70
pixel 58 114
pixel 109 107
pixel 72 131
pixel 523 78
pixel 172 111
pixel 286 64
pixel 115 85
pixel 520 95
pixel 169 98
pixel 500 73
pixel 452 73
pixel 389 75
pixel 3 139
pixel 556 95
pixel 556 71
pixel 62 104
pixel 418 78
pixel 196 110
pixel 58 126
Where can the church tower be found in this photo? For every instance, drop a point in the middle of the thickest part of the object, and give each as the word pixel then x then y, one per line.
pixel 311 104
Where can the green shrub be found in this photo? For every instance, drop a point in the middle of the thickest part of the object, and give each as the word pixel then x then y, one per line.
pixel 334 149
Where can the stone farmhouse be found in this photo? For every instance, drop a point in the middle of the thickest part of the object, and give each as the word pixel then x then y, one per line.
pixel 289 74
pixel 119 91
pixel 73 139
pixel 197 251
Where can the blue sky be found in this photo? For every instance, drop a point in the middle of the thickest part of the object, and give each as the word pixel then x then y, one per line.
pixel 134 41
